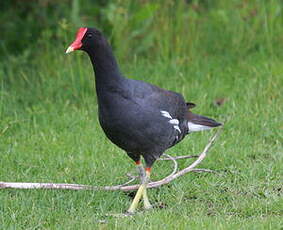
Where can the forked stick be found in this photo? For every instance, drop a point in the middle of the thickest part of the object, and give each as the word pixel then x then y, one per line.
pixel 125 186
pixel 178 157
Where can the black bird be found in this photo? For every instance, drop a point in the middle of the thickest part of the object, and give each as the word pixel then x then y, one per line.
pixel 142 119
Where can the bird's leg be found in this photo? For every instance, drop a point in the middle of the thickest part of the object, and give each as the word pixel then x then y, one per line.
pixel 146 202
pixel 139 193
pixel 144 174
pixel 140 170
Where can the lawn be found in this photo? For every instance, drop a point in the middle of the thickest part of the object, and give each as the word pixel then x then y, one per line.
pixel 49 132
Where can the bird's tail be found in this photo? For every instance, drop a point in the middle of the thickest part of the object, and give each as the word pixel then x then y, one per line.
pixel 197 122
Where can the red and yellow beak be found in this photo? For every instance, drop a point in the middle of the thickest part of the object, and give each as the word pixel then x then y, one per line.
pixel 77 44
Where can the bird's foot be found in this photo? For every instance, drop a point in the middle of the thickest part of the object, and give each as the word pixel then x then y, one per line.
pixel 130 213
pixel 148 206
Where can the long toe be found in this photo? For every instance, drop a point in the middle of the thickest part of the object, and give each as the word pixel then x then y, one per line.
pixel 136 200
pixel 146 202
pixel 147 206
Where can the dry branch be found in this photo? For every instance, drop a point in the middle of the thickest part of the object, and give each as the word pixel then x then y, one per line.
pixel 124 187
pixel 178 157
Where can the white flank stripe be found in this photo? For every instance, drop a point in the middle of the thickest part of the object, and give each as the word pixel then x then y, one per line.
pixel 174 122
pixel 196 127
pixel 165 114
pixel 177 127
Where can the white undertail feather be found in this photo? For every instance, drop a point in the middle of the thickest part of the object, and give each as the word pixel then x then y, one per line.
pixel 196 127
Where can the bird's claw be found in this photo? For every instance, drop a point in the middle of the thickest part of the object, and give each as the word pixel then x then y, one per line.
pixel 148 207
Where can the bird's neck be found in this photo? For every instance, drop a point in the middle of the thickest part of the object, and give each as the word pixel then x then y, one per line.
pixel 105 66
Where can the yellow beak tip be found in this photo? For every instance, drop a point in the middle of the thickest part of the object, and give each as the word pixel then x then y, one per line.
pixel 69 50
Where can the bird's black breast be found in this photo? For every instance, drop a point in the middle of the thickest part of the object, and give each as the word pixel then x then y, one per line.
pixel 132 117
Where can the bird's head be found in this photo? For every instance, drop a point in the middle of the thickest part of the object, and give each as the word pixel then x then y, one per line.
pixel 85 39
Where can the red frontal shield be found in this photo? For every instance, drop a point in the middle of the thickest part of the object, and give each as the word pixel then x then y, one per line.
pixel 77 44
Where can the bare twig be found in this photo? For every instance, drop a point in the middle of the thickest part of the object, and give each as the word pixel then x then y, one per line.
pixel 203 170
pixel 175 164
pixel 125 186
pixel 178 157
pixel 128 182
pixel 190 168
pixel 131 176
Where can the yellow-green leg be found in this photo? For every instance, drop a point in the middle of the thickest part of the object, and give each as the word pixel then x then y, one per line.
pixel 146 202
pixel 136 200
pixel 145 175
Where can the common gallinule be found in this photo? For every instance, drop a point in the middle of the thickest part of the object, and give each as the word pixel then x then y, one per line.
pixel 142 119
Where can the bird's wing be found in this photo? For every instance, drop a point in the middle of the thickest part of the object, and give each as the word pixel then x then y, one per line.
pixel 164 100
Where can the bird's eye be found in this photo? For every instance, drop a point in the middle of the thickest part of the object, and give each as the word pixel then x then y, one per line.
pixel 89 35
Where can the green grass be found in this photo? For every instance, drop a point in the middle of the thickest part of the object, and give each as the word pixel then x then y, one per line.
pixel 49 130
pixel 51 133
